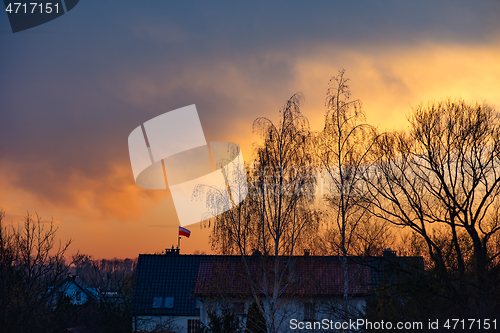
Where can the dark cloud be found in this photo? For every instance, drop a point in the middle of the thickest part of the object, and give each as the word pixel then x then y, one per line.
pixel 70 97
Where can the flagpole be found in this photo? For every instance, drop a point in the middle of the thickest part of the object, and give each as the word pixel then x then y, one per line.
pixel 179 242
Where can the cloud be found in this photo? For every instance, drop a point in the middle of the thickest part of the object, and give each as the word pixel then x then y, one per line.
pixel 110 193
pixel 390 81
pixel 79 158
pixel 69 99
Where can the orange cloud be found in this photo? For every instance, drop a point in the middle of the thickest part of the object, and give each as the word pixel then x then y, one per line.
pixel 392 80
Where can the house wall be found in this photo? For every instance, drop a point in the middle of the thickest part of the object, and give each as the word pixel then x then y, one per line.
pixel 288 309
pixel 175 324
pixel 75 294
pixel 285 310
pixel 328 306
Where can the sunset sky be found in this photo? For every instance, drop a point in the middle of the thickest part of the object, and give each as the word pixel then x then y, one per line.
pixel 72 90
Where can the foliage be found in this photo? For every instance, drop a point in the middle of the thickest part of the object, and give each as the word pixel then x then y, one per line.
pixel 227 322
pixel 255 320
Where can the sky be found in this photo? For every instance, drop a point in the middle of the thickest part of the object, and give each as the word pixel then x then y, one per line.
pixel 73 89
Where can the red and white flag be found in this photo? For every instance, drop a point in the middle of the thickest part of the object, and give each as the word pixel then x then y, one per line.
pixel 184 232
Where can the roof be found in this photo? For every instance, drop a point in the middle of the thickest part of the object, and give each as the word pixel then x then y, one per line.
pixel 302 276
pixel 168 284
pixel 80 284
pixel 167 276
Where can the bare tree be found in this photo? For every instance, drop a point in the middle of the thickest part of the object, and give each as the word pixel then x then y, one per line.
pixel 31 265
pixel 370 237
pixel 105 275
pixel 273 218
pixel 442 180
pixel 344 150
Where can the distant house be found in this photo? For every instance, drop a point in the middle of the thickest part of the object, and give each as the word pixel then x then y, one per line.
pixel 75 290
pixel 175 293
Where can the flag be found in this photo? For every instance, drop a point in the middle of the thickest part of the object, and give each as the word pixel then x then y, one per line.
pixel 184 232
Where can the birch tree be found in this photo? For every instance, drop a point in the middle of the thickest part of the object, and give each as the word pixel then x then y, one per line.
pixel 344 152
pixel 274 217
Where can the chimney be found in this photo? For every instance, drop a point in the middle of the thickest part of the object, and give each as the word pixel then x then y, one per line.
pixel 172 252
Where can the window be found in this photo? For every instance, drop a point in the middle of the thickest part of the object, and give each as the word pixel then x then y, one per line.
pixel 168 302
pixel 157 302
pixel 163 302
pixel 309 311
pixel 193 325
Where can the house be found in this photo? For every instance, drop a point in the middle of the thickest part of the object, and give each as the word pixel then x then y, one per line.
pixel 74 289
pixel 175 293
pixel 163 298
pixel 311 286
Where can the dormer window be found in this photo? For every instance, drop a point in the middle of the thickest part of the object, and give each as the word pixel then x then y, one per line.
pixel 168 302
pixel 163 302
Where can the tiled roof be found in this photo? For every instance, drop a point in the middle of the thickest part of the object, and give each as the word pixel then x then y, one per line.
pixel 171 275
pixel 302 276
pixel 326 277
pixel 161 277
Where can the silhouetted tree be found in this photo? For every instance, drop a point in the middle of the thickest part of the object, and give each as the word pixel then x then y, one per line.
pixel 255 320
pixel 441 179
pixel 31 265
pixel 277 211
pixel 227 322
pixel 344 149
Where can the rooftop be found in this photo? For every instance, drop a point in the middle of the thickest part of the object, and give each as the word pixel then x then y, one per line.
pixel 168 284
